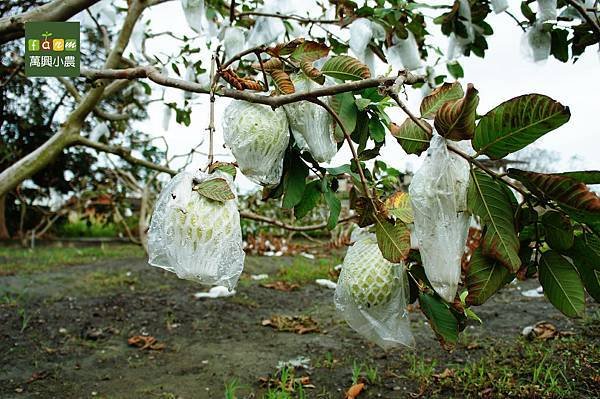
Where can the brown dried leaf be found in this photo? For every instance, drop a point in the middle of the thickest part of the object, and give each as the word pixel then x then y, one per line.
pixel 312 72
pixel 251 84
pixel 297 324
pixel 281 286
pixel 310 51
pixel 232 78
pixel 282 81
pixel 145 342
pixel 269 65
pixel 285 48
pixel 355 390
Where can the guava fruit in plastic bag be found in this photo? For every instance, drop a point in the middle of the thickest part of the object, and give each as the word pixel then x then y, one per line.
pixel 546 10
pixel 536 43
pixel 258 137
pixel 233 42
pixel 438 196
pixel 371 294
pixel 197 238
pixel 361 33
pixel 311 124
pixel 194 14
pixel 404 54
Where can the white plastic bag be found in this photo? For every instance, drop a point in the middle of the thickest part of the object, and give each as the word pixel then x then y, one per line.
pixel 404 54
pixel 194 14
pixel 233 42
pixel 311 124
pixel 536 43
pixel 499 6
pixel 546 10
pixel 258 137
pixel 371 294
pixel 438 196
pixel 196 238
pixel 361 33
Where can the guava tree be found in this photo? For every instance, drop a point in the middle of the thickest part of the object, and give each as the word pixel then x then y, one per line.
pixel 288 71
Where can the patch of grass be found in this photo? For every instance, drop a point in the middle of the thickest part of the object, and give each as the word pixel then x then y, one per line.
pixel 558 368
pixel 231 389
pixel 105 281
pixel 44 259
pixel 304 271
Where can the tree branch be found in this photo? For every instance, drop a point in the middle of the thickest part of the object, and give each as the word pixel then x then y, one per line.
pixel 274 222
pixel 273 101
pixel 13 27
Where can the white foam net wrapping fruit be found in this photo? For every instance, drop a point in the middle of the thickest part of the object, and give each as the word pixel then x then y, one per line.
pixel 258 137
pixel 438 196
pixel 536 43
pixel 195 237
pixel 371 294
pixel 311 125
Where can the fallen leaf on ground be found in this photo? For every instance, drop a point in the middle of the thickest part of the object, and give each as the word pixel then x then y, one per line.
pixel 544 330
pixel 297 324
pixel 355 390
pixel 38 376
pixel 145 342
pixel 281 286
pixel 444 374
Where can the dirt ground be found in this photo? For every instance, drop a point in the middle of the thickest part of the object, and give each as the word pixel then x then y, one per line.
pixel 64 334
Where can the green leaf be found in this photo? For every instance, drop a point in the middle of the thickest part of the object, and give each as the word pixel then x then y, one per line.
pixel 442 321
pixel 586 251
pixel 584 176
pixel 225 167
pixel 393 240
pixel 215 189
pixel 346 108
pixel 489 200
pixel 571 195
pixel 344 67
pixel 376 130
pixel 484 278
pixel 293 184
pixel 398 205
pixel 309 200
pixel 432 102
pixel 455 70
pixel 561 283
pixel 410 136
pixel 585 254
pixel 559 230
pixel 335 207
pixel 559 44
pixel 516 123
pixel 455 119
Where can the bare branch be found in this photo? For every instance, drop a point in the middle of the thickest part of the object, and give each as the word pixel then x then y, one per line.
pixel 273 101
pixel 13 27
pixel 274 222
pixel 122 152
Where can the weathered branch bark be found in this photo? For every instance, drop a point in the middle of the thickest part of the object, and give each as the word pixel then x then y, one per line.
pixel 123 153
pixel 13 27
pixel 274 101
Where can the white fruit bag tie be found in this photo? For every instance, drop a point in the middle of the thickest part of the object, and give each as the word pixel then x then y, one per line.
pixel 197 238
pixel 371 294
pixel 438 196
pixel 405 54
pixel 311 124
pixel 258 137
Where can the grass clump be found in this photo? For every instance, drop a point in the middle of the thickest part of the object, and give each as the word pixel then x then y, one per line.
pixel 304 271
pixel 44 259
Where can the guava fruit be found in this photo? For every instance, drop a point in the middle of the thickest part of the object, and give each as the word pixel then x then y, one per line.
pixel 258 137
pixel 369 277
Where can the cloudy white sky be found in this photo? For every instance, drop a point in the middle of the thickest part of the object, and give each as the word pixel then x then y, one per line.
pixel 502 74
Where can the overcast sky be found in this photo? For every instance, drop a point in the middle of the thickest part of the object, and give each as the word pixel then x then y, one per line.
pixel 502 74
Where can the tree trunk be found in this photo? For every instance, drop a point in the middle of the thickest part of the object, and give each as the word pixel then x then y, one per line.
pixel 3 230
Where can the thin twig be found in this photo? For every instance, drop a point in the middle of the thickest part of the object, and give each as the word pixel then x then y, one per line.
pixel 211 123
pixel 278 223
pixel 264 73
pixel 581 10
